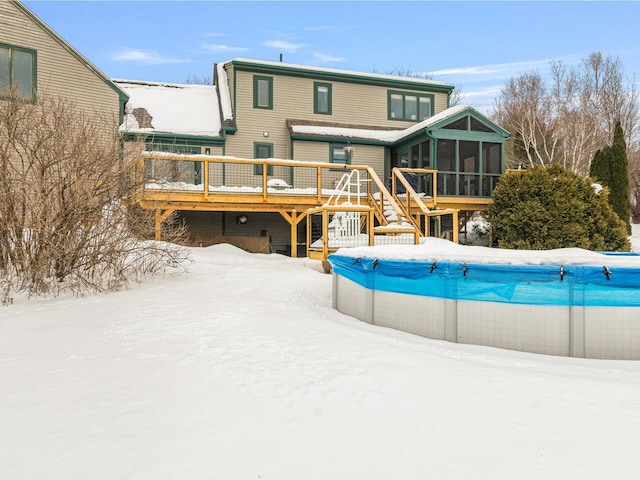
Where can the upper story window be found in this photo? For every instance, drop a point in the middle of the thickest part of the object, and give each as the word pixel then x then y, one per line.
pixel 413 107
pixel 262 92
pixel 18 70
pixel 322 98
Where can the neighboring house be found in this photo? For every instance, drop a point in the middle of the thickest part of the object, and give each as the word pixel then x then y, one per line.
pixel 36 60
pixel 173 118
pixel 278 110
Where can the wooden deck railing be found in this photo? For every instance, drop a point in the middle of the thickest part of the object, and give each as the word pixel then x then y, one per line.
pixel 169 182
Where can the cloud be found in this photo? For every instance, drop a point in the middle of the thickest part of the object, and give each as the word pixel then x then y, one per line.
pixel 284 46
pixel 144 57
pixel 320 28
pixel 214 34
pixel 213 47
pixel 485 92
pixel 322 58
pixel 466 71
pixel 482 99
pixel 504 69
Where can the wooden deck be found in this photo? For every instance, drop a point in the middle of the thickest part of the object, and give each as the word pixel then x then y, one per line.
pixel 175 182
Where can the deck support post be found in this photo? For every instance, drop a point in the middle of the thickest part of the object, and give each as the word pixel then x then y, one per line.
pixel 294 219
pixel 161 216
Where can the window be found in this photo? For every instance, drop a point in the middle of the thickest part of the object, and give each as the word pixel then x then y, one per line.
pixel 409 106
pixel 425 148
pixel 468 157
pixel 338 155
pixel 262 150
pixel 468 168
pixel 18 70
pixel 446 162
pixel 446 155
pixel 491 166
pixel 415 156
pixel 322 98
pixel 491 158
pixel 172 170
pixel 262 92
pixel 461 124
pixel 477 126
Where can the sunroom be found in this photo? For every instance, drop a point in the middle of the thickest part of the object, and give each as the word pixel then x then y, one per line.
pixel 466 149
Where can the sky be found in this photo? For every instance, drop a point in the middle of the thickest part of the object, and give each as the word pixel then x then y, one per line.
pixel 240 369
pixel 474 46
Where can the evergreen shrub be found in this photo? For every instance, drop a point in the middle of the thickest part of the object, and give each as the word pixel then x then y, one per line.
pixel 544 208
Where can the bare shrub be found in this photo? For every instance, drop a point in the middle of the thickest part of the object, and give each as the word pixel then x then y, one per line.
pixel 65 187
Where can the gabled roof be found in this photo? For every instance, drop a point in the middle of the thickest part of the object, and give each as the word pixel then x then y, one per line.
pixel 452 114
pixel 340 75
pixel 67 46
pixel 170 108
pixel 301 130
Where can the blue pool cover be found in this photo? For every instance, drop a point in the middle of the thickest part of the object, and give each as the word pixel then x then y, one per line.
pixel 570 285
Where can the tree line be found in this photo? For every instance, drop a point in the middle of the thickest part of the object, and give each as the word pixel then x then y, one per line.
pixel 577 117
pixel 568 116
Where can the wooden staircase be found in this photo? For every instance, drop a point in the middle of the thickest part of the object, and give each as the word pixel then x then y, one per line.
pixel 351 218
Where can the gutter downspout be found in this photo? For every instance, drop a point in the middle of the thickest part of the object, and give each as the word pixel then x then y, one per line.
pixel 434 151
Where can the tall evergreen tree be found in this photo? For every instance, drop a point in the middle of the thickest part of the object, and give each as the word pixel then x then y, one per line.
pixel 610 168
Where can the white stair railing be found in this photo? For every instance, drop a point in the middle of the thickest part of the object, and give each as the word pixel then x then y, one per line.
pixel 345 188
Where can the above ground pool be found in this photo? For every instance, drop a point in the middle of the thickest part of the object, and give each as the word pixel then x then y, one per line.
pixel 569 302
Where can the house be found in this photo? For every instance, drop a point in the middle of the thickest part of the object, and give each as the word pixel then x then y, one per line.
pixel 260 110
pixel 276 110
pixel 34 59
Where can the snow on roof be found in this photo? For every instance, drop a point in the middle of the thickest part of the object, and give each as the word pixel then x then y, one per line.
pixel 171 108
pixel 378 135
pixel 225 95
pixel 423 81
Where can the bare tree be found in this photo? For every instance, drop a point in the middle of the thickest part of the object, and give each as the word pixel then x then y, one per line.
pixel 198 80
pixel 571 115
pixel 454 99
pixel 65 191
pixel 575 127
pixel 525 109
pixel 610 98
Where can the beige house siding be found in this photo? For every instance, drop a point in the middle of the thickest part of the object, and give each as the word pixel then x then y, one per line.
pixel 59 72
pixel 215 150
pixel 371 155
pixel 352 103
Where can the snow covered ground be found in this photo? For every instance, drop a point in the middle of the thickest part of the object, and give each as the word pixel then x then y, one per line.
pixel 240 369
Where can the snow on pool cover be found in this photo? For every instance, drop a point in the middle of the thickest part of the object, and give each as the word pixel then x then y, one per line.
pixel 438 268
